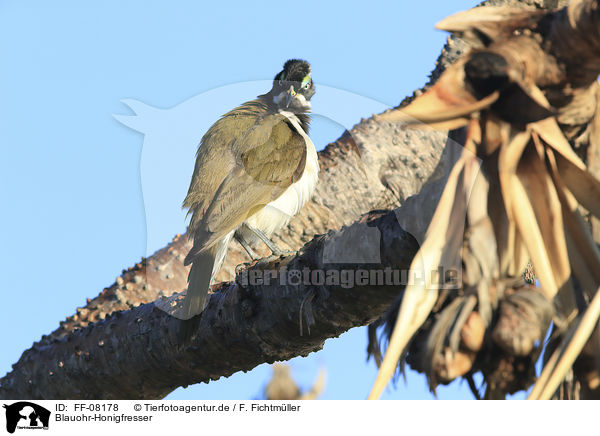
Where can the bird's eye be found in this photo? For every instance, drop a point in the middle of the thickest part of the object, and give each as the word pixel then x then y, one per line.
pixel 307 84
pixel 281 83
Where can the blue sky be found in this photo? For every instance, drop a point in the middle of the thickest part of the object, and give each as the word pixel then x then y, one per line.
pixel 71 174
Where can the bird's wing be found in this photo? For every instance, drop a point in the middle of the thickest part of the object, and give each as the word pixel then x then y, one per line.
pixel 266 160
pixel 273 153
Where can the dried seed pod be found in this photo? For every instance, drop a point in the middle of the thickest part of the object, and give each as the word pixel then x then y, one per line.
pixel 524 319
pixel 472 332
pixel 450 365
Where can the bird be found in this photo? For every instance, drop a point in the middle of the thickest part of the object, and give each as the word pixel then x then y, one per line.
pixel 255 169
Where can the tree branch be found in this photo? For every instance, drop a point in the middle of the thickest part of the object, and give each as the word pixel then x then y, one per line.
pixel 120 345
pixel 373 166
pixel 138 354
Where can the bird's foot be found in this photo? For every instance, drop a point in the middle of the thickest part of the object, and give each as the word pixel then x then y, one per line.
pixel 275 250
pixel 282 253
pixel 246 247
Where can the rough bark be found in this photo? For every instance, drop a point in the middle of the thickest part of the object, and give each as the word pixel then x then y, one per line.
pixel 374 166
pixel 139 354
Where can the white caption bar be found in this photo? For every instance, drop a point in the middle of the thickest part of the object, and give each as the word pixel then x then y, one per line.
pixel 298 417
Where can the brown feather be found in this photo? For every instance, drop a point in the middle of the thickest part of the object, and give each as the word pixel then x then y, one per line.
pixel 246 159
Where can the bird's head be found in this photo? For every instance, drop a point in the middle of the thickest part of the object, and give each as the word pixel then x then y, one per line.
pixel 293 87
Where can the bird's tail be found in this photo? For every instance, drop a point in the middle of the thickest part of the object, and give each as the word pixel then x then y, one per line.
pixel 198 282
pixel 205 266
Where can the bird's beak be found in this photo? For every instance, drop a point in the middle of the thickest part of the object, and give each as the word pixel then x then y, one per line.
pixel 289 96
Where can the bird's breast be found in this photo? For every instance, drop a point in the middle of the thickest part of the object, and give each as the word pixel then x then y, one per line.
pixel 279 212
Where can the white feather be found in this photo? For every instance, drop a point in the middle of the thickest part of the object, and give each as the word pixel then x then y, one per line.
pixel 279 212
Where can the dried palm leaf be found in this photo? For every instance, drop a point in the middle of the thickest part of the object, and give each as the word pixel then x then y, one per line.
pixel 442 242
pixel 512 246
pixel 581 246
pixel 444 107
pixel 564 357
pixel 484 24
pixel 541 194
pixel 584 186
pixel 480 252
pixel 444 360
pixel 523 206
